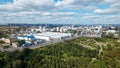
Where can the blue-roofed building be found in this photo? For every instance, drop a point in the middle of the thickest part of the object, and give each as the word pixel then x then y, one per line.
pixel 26 37
pixel 26 44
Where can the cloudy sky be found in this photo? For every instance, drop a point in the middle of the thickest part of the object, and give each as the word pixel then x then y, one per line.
pixel 60 11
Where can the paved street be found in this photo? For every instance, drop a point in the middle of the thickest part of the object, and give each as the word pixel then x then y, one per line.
pixel 37 46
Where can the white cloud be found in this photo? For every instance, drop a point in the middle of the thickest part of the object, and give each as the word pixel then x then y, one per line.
pixel 78 4
pixel 91 5
pixel 46 5
pixel 107 11
pixel 64 14
pixel 36 4
pixel 111 1
pixel 36 15
pixel 112 17
pixel 90 16
pixel 25 5
pixel 47 14
pixel 114 7
pixel 64 2
pixel 48 11
pixel 10 7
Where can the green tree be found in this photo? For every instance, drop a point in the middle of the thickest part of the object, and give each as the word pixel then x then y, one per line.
pixel 17 64
pixel 21 42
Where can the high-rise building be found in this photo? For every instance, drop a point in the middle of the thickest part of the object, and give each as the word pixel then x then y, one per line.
pixel 40 28
pixel 61 29
pixel 58 29
pixel 44 29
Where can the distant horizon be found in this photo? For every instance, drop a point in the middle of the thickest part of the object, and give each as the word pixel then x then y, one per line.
pixel 57 24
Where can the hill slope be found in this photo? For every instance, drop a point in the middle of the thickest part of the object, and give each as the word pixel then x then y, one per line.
pixel 77 53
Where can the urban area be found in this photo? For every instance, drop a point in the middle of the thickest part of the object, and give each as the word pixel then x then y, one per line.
pixel 18 36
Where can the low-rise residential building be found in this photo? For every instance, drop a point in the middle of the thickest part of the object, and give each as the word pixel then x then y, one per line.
pixel 110 31
pixel 5 42
pixel 15 44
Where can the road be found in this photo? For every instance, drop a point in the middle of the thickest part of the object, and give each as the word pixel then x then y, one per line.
pixel 31 47
pixel 37 46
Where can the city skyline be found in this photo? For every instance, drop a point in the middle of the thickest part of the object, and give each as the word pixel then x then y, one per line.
pixel 60 11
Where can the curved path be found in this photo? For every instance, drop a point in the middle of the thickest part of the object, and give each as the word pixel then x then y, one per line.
pixel 99 53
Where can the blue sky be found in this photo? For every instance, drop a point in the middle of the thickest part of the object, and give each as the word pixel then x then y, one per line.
pixel 60 11
pixel 5 1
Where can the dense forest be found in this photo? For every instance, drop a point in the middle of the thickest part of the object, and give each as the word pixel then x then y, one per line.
pixel 76 53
